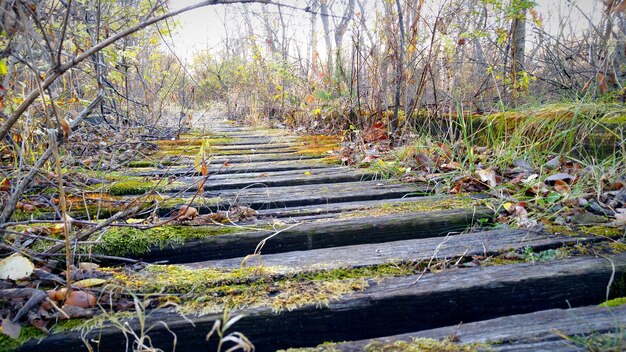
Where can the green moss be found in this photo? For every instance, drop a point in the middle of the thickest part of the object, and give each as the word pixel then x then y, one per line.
pixel 422 345
pixel 131 185
pixel 554 229
pixel 325 347
pixel 616 302
pixel 130 241
pixel 602 230
pixel 210 290
pixel 421 205
pixel 331 160
pixel 28 333
pixel 150 163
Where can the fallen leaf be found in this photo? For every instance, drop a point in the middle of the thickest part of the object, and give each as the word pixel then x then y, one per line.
pixel 15 267
pixel 187 213
pixel 487 176
pixel 377 132
pixel 509 207
pixel 88 266
pixel 307 173
pixel 562 176
pixel 517 179
pixel 86 283
pixel 453 165
pixel 11 329
pixel 65 126
pixel 562 187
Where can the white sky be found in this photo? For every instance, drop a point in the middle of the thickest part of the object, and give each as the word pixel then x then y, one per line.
pixel 203 28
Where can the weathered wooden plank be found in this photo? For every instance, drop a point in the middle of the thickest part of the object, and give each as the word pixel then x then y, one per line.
pixel 392 306
pixel 331 208
pixel 522 332
pixel 323 235
pixel 240 168
pixel 453 246
pixel 301 195
pixel 301 178
pixel 253 175
pixel 260 158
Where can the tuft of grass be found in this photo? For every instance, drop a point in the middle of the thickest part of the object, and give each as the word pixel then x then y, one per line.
pixel 600 342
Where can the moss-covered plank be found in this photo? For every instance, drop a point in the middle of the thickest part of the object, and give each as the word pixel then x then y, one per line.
pixel 322 235
pixel 543 330
pixel 392 306
pixel 377 207
pixel 485 243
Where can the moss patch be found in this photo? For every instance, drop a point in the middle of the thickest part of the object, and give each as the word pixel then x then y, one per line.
pixel 131 185
pixel 417 206
pixel 28 333
pixel 122 241
pixel 604 231
pixel 422 345
pixel 554 229
pixel 616 302
pixel 210 290
pixel 150 163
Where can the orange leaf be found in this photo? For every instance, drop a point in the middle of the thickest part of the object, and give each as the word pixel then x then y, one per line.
pixel 562 187
pixel 65 127
pixel 603 86
pixel 204 169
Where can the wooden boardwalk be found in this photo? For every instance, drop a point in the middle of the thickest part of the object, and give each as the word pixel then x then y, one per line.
pixel 323 218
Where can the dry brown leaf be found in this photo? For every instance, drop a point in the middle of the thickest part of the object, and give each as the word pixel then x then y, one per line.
pixel 187 213
pixel 65 126
pixel 562 187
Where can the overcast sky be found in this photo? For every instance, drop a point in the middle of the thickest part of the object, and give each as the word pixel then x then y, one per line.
pixel 203 28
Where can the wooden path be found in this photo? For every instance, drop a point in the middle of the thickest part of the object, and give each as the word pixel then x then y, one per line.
pixel 417 264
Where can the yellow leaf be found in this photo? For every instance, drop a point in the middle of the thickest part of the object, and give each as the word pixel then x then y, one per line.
pixel 89 283
pixel 307 173
pixel 509 207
